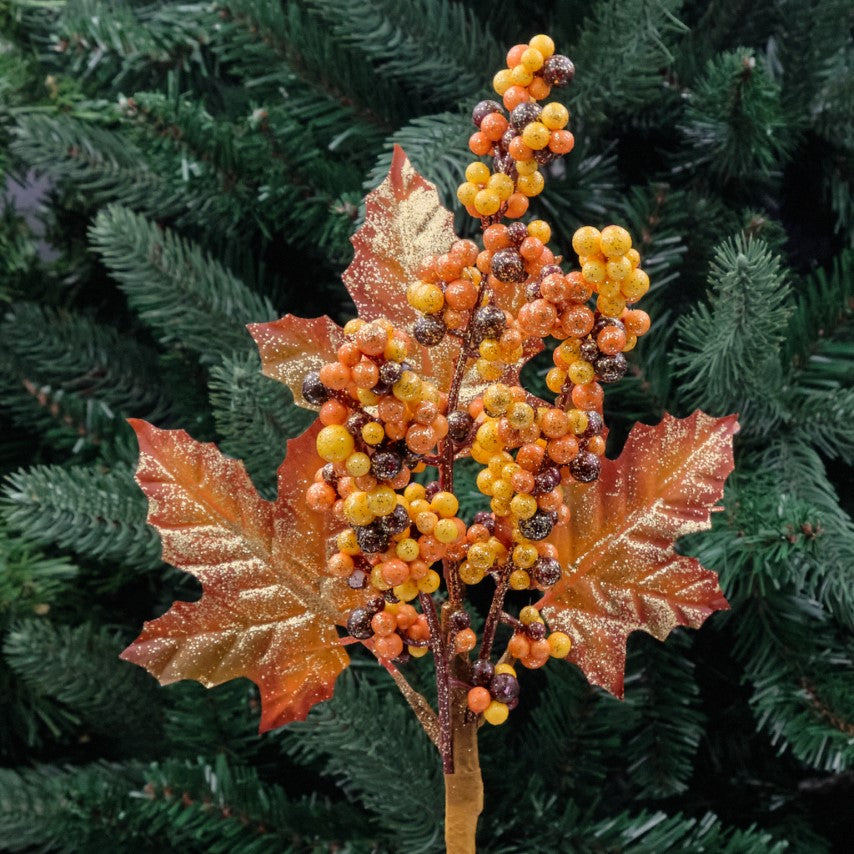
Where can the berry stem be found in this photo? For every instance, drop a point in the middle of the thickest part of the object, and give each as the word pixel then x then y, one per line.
pixel 493 618
pixel 443 688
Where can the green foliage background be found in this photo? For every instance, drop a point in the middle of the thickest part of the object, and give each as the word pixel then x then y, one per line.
pixel 206 164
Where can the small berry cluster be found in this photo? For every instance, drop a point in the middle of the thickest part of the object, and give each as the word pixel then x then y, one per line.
pixel 528 137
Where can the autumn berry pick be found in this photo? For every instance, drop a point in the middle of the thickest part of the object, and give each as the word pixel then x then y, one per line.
pixel 365 542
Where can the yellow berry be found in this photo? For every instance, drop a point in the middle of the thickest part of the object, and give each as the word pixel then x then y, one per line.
pixel 479 454
pixel 481 555
pixel 425 298
pixel 358 464
pixel 426 521
pixel 610 306
pixel 484 481
pixel 417 651
pixel 581 372
pixel 373 433
pixel 501 184
pixel 430 583
pixel 526 167
pixel 488 371
pixel 499 507
pixel 519 580
pixel 367 397
pixel 536 135
pixel 520 76
pixel 397 349
pixel 585 241
pixel 498 461
pixel 555 116
pixel 610 288
pixel 520 415
pixel 487 436
pixel 615 241
pixel 524 555
pixel 502 490
pixel 594 271
pixel 559 645
pixel 634 257
pixel 487 202
pixel 470 574
pixel 532 59
pixel 477 172
pixel 413 491
pixel 618 268
pixel 631 343
pixel 445 504
pixel 351 327
pixel 490 349
pixel 466 193
pixel 446 531
pixel 407 591
pixel 577 420
pixel 347 542
pixel 496 399
pixel 539 228
pixel 529 614
pixel 531 185
pixel 635 285
pixel 407 549
pixel 505 668
pixel 408 387
pixel 544 45
pixel 382 500
pixel 496 713
pixel 334 443
pixel 569 350
pixel 523 506
pixel 555 378
pixel 502 82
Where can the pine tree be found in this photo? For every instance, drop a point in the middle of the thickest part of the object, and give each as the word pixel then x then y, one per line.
pixel 206 165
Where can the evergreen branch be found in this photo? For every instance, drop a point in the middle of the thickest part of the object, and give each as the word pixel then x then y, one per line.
pixel 728 353
pixel 96 514
pixel 255 416
pixel 184 295
pixel 79 668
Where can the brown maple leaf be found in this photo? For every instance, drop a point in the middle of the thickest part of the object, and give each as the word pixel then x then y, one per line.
pixel 621 570
pixel 405 223
pixel 267 611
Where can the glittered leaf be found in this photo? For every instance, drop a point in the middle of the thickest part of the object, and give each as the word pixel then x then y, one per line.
pixel 293 346
pixel 263 612
pixel 621 570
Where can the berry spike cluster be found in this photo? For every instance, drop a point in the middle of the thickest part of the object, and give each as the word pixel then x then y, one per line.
pixel 384 422
pixel 522 139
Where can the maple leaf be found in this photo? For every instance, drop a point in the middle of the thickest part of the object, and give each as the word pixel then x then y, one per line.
pixel 267 611
pixel 621 570
pixel 405 223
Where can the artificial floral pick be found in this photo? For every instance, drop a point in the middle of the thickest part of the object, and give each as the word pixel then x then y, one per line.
pixel 427 374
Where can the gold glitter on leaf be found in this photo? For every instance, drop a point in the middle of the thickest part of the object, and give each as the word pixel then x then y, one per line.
pixel 264 612
pixel 293 346
pixel 621 572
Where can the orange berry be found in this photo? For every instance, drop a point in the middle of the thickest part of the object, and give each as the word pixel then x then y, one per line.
pixel 366 374
pixel 349 354
pixel 611 340
pixel 480 144
pixel 478 699
pixel 335 375
pixel 461 294
pixel 554 288
pixel 577 321
pixel 333 412
pixel 537 317
pixel 561 141
pixel 596 445
pixel 383 623
pixel 465 641
pixel 636 321
pixel 394 571
pixel 388 647
pixel 530 456
pixel 518 150
pixel 372 339
pixel 539 89
pixel 587 396
pixel 563 450
pixel 514 96
pixel 420 438
pixel 531 248
pixel 519 646
pixel 493 126
pixel 320 496
pixel 517 205
pixel 578 290
pixel 495 237
pixel 522 481
pixel 554 423
pixel 406 616
pixel 340 565
pixel 514 55
pixel 484 261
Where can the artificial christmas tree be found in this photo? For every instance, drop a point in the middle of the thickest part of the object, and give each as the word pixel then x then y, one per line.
pixel 207 166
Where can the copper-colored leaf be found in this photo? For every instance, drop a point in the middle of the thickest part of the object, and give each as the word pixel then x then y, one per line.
pixel 263 612
pixel 621 571
pixel 292 346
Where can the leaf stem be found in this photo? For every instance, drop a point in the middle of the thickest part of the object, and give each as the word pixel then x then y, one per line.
pixel 443 688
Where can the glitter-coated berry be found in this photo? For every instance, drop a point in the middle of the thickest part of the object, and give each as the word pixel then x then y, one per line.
pixel 459 425
pixel 483 109
pixel 488 321
pixel 371 538
pixel 546 480
pixel 429 330
pixel 538 527
pixel 508 266
pixel 546 571
pixel 359 623
pixel 524 113
pixel 385 465
pixel 313 390
pixel 536 630
pixel 558 70
pixel 609 369
pixel 482 672
pixel 390 372
pixel 504 687
pixel 396 521
pixel 585 467
pixel 595 424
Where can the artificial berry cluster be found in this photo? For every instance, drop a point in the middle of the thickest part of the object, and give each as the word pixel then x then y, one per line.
pixel 384 423
pixel 519 142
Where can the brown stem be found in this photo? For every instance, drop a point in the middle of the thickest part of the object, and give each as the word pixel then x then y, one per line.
pixel 443 689
pixel 493 618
